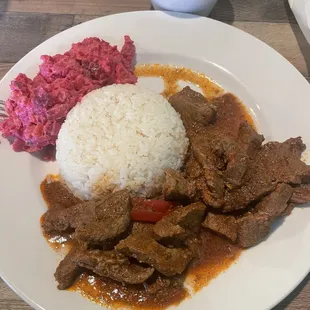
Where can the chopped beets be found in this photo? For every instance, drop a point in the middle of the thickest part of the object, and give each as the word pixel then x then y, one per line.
pixel 18 145
pixel 37 107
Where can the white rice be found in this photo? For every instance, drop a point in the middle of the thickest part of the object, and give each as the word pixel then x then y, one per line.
pixel 120 136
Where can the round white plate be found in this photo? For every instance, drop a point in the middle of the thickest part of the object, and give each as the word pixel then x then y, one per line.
pixel 276 94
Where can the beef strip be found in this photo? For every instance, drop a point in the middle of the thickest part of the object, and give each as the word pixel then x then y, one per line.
pixel 301 194
pixel 211 180
pixel 113 220
pixel 67 270
pixel 251 228
pixel 59 220
pixel 215 160
pixel 161 284
pixel 229 114
pixel 180 223
pixel 93 221
pixel 168 261
pixel 176 187
pixel 58 195
pixel 246 231
pixel 194 244
pixel 224 225
pixel 249 139
pixel 143 228
pixel 113 265
pixel 224 163
pixel 275 163
pixel 236 161
pixel 220 156
pixel 254 227
pixel 227 162
pixel 191 167
pixel 210 184
pixel 275 203
pixel 289 208
pixel 193 108
pixel 161 288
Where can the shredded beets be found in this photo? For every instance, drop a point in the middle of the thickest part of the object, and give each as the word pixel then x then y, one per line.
pixel 38 107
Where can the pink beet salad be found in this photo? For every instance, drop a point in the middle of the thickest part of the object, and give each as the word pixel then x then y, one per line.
pixel 37 107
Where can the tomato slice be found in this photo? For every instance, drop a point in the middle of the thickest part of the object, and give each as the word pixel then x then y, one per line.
pixel 150 210
pixel 158 205
pixel 146 216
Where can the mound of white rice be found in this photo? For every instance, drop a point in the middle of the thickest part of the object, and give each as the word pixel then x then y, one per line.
pixel 120 136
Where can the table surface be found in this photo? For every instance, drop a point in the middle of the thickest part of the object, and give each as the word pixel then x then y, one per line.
pixel 26 23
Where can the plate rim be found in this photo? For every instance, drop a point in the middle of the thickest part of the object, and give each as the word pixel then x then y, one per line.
pixel 173 14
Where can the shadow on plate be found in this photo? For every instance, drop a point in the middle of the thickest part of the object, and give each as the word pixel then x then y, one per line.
pixel 47 154
pixel 276 225
pixel 302 42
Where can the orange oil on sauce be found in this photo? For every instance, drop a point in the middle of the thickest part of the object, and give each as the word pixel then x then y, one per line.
pixel 172 75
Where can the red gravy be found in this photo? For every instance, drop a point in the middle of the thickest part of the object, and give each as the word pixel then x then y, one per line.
pixel 216 253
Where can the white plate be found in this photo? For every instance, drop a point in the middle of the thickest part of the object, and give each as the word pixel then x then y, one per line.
pixel 273 89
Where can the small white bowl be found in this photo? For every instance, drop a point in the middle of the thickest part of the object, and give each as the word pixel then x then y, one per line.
pixel 203 7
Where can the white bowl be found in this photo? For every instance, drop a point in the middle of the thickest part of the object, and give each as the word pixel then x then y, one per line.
pixel 203 7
